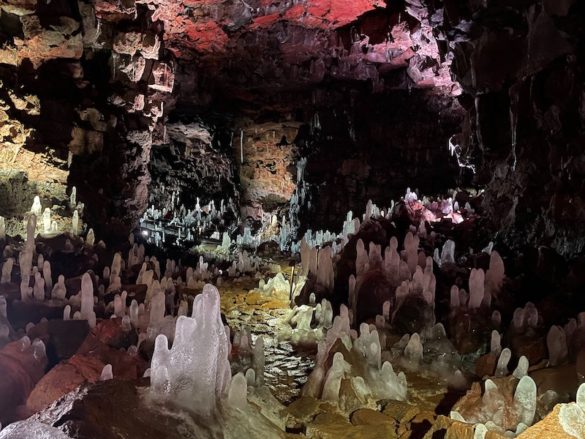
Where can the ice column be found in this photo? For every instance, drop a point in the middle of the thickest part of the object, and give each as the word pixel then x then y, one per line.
pixel 195 372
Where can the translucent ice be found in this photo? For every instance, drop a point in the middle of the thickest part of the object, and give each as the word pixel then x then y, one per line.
pixel 413 352
pixel 87 301
pixel 59 290
pixel 362 259
pixel 90 238
pixel 333 378
pixel 494 277
pixel 496 343
pixel 476 288
pixel 7 271
pixel 525 400
pixel 238 392
pixel 47 220
pixel 39 288
pixel 503 360
pixel 197 363
pixel 571 415
pixel 107 373
pixel 447 253
pixel 556 342
pixel 258 360
pixel 32 429
pixel 67 313
pixel 47 275
pixel 36 208
pixel 75 223
pixel 522 368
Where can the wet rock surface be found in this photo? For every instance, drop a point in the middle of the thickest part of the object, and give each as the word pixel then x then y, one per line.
pixel 80 412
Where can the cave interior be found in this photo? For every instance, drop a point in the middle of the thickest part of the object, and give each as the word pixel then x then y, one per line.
pixel 292 219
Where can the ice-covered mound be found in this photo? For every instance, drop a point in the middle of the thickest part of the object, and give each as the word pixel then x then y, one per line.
pixel 307 324
pixel 505 405
pixel 31 430
pixel 350 368
pixel 279 287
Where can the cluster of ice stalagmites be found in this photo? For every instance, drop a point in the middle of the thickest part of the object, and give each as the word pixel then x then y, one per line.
pixel 307 324
pixel 343 355
pixel 508 406
pixel 409 273
pixel 182 223
pixel 244 263
pixel 49 226
pixel 248 356
pixel 280 287
pixel 195 372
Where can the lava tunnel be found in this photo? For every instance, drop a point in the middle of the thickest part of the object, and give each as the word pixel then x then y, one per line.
pixel 321 219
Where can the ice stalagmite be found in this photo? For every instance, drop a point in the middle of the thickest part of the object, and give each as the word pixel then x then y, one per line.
pixel 503 360
pixel 87 312
pixel 47 275
pixel 195 372
pixel 259 360
pixel 325 275
pixel 556 342
pixel 334 376
pixel 25 258
pixel 73 198
pixel 47 220
pixel 413 352
pixel 494 277
pixel 525 400
pixel 36 208
pixel 522 368
pixel 59 290
pixel 476 288
pixel 496 343
pixel 7 271
pixel 447 253
pixel 107 373
pixel 90 238
pixel 361 258
pixel 39 287
pixel 75 223
pixel 237 395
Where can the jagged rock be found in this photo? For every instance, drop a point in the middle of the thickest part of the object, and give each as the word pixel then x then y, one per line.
pixel 81 413
pixel 84 367
pixel 41 44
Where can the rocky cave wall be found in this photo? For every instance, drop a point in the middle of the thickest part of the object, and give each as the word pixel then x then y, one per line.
pixel 94 90
pixel 521 65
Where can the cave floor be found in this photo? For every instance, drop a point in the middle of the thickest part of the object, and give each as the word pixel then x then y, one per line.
pixel 288 367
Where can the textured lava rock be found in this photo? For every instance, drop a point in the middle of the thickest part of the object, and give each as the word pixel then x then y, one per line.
pixel 525 115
